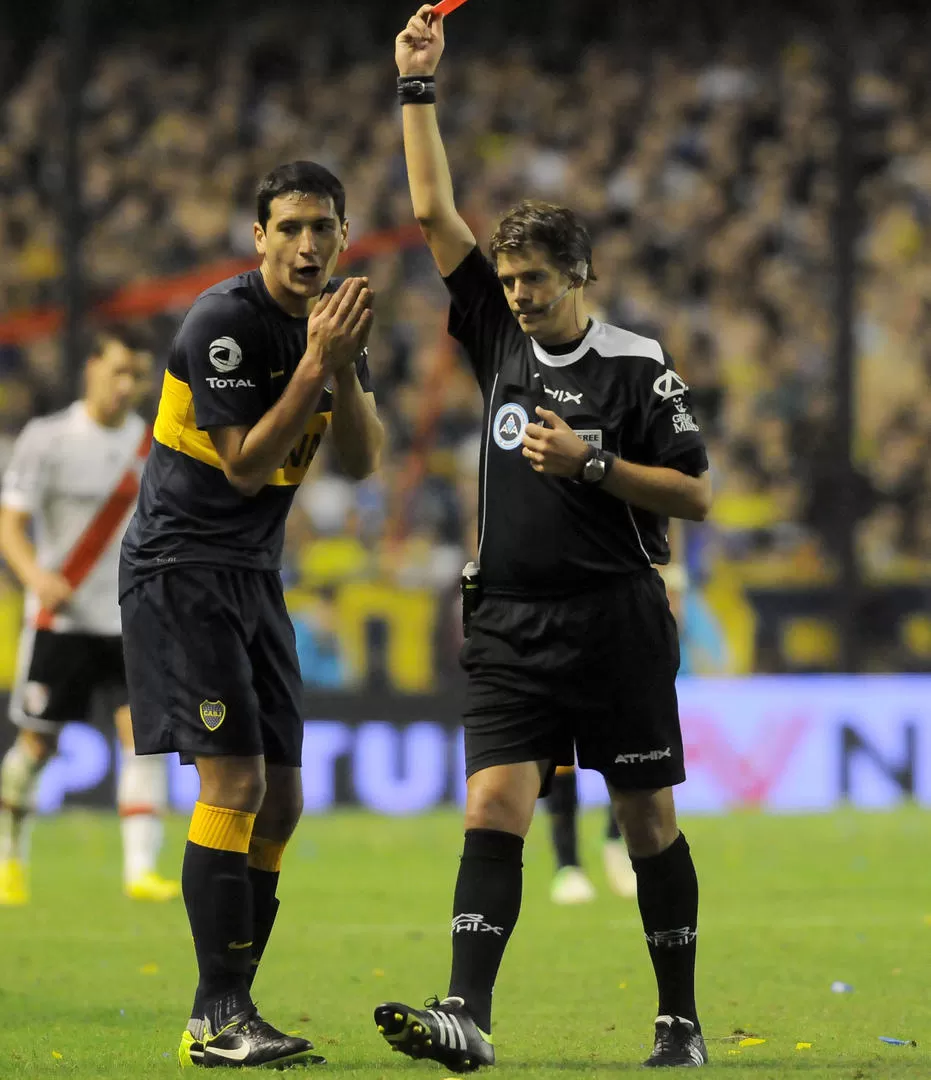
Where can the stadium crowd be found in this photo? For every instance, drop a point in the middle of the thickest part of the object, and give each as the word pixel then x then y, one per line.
pixel 707 173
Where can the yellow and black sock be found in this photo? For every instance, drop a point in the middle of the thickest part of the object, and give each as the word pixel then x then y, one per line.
pixel 218 897
pixel 264 869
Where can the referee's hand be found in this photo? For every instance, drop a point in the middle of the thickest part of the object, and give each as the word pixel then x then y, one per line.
pixel 339 326
pixel 420 44
pixel 555 449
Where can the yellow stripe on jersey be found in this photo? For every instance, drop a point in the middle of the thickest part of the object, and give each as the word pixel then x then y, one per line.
pixel 176 428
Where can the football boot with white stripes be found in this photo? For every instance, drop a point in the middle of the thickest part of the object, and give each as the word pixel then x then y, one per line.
pixel 443 1031
pixel 679 1044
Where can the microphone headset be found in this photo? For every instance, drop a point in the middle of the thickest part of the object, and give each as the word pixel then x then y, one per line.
pixel 579 275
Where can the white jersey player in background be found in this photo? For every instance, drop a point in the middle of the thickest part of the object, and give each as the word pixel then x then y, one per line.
pixel 67 495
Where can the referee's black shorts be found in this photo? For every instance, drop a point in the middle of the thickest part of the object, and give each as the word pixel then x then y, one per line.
pixel 211 665
pixel 591 675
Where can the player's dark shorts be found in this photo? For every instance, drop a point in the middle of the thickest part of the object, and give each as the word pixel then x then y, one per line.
pixel 212 666
pixel 593 675
pixel 60 673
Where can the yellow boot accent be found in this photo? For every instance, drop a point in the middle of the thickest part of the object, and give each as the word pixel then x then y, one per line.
pixel 153 887
pixel 13 889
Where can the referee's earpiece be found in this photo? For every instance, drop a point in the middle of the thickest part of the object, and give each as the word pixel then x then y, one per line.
pixel 581 272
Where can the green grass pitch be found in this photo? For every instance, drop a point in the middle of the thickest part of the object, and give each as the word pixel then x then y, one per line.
pixel 96 986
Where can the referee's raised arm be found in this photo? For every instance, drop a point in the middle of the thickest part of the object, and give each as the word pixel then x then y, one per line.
pixel 418 50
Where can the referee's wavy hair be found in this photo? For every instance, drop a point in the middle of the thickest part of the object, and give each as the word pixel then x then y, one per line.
pixel 299 178
pixel 556 229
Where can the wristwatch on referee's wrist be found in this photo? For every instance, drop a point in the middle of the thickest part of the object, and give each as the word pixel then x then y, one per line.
pixel 596 467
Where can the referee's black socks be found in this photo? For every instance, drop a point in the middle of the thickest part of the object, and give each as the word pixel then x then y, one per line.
pixel 667 892
pixel 485 909
pixel 218 897
pixel 563 805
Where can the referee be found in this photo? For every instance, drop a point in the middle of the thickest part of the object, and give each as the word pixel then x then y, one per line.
pixel 589 447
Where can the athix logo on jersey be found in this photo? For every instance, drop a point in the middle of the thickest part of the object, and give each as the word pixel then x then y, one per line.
pixel 225 355
pixel 213 713
pixel 564 397
pixel 670 385
pixel 638 759
pixel 509 426
pixel 475 924
pixel 229 384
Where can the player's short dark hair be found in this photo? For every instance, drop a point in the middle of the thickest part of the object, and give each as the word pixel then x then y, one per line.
pixel 135 338
pixel 299 178
pixel 556 229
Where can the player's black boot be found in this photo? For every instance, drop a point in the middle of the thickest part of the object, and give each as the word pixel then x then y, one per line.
pixel 248 1041
pixel 679 1044
pixel 443 1031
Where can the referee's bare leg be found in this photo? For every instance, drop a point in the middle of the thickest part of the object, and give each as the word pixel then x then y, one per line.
pixel 500 803
pixel 667 893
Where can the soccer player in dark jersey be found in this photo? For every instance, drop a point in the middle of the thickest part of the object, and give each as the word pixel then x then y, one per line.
pixel 589 447
pixel 263 365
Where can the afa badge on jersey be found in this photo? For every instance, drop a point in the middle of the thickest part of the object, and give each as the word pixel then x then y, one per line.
pixel 213 713
pixel 509 426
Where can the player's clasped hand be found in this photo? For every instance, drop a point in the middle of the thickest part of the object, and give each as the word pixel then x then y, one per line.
pixel 52 589
pixel 554 449
pixel 420 44
pixel 339 326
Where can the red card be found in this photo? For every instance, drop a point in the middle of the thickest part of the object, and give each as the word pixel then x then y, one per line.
pixel 444 7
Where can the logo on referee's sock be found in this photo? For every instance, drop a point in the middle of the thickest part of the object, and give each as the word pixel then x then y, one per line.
pixel 475 924
pixel 213 713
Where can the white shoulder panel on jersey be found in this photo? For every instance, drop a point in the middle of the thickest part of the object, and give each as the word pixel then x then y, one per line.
pixel 611 341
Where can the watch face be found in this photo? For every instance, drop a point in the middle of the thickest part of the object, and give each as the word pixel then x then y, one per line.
pixel 594 470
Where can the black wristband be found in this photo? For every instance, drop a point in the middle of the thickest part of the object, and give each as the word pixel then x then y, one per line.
pixel 417 89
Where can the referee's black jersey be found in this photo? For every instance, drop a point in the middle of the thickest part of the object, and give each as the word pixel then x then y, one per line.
pixel 230 362
pixel 545 535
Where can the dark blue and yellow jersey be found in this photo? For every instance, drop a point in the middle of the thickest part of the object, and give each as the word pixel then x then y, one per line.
pixel 230 362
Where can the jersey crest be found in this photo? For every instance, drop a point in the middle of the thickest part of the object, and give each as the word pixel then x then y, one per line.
pixel 509 426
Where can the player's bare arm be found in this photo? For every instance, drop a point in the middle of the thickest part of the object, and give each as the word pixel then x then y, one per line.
pixel 417 52
pixel 556 450
pixel 337 331
pixel 51 588
pixel 358 434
